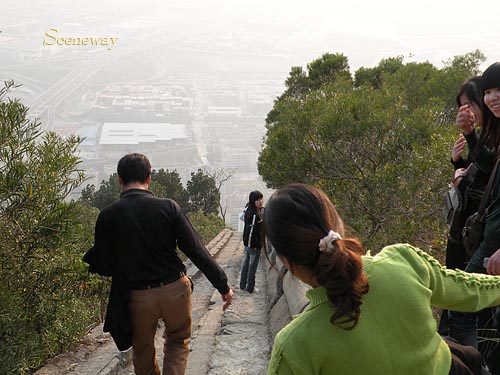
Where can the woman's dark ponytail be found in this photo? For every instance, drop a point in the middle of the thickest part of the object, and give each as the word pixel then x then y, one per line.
pixel 304 227
pixel 340 271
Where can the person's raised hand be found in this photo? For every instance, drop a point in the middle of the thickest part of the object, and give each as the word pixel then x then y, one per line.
pixel 458 148
pixel 465 119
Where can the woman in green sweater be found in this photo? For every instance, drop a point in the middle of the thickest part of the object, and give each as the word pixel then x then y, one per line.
pixel 367 314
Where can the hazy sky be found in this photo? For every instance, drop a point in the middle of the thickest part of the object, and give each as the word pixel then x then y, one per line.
pixel 363 30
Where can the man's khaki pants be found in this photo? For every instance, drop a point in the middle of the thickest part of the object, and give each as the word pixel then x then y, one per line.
pixel 172 303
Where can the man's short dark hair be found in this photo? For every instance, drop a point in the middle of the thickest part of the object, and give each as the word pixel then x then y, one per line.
pixel 134 168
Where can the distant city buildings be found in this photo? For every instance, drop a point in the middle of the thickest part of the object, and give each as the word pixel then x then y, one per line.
pixel 180 125
pixel 176 99
pixel 134 102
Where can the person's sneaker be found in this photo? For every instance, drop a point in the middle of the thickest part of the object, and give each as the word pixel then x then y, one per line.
pixel 242 289
pixel 255 290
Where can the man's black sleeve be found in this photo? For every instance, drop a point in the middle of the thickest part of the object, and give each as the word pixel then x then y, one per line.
pixel 99 257
pixel 190 244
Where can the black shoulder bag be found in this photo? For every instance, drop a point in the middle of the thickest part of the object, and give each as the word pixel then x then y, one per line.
pixel 472 233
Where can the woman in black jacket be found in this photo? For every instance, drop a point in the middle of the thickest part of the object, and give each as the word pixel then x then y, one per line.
pixel 252 239
pixel 471 186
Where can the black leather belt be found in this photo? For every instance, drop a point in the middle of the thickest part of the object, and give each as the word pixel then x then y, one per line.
pixel 159 283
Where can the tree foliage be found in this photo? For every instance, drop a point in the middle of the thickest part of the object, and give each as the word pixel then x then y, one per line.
pixel 378 145
pixel 165 183
pixel 108 192
pixel 207 226
pixel 328 68
pixel 203 193
pixel 42 237
pixel 374 77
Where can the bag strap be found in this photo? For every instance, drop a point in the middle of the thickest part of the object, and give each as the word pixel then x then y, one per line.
pixel 487 190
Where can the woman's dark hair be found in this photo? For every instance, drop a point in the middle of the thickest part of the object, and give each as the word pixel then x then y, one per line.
pixel 298 216
pixel 254 196
pixel 472 90
pixel 134 168
pixel 490 128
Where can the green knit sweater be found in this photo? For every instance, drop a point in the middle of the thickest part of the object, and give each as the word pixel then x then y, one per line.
pixel 396 332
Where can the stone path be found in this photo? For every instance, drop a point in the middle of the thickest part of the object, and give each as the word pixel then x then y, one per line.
pixel 243 344
pixel 234 342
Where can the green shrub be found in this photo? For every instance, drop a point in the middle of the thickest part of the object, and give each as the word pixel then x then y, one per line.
pixel 44 305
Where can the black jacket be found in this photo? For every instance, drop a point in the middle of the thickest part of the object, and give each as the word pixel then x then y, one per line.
pixel 138 236
pixel 117 321
pixel 135 242
pixel 252 232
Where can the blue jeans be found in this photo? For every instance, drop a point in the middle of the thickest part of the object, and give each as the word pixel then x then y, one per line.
pixel 463 325
pixel 249 268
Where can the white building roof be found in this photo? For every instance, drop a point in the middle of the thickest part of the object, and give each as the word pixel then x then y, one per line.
pixel 116 133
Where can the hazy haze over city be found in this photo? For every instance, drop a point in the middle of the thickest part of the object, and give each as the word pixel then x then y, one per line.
pixel 189 83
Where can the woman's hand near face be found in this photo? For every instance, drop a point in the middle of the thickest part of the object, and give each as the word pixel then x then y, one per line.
pixel 458 148
pixel 465 119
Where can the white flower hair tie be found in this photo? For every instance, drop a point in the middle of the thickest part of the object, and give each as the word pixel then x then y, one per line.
pixel 326 243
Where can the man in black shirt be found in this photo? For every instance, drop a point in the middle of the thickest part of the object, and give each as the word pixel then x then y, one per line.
pixel 135 242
